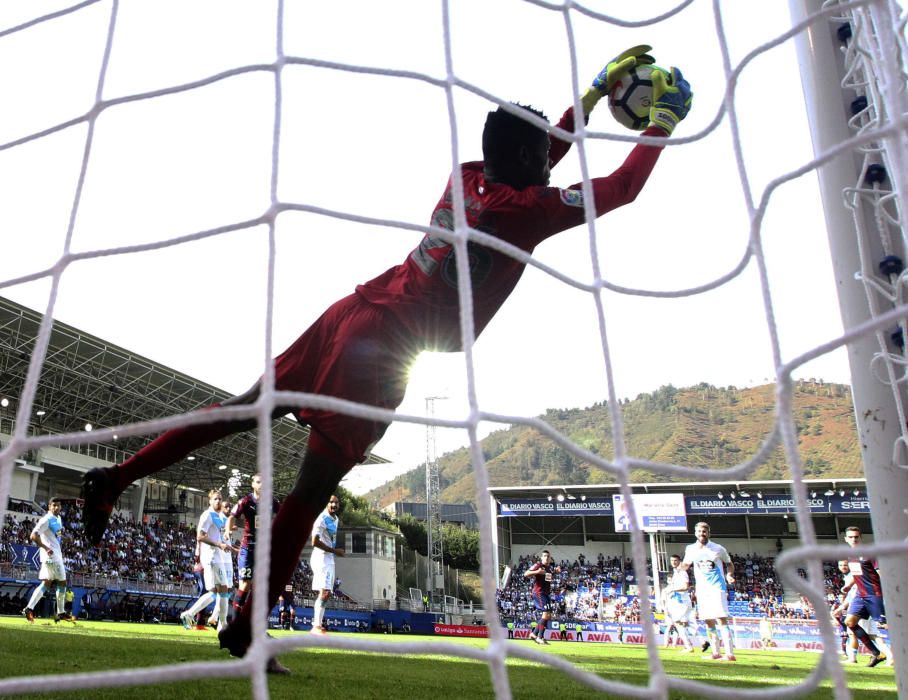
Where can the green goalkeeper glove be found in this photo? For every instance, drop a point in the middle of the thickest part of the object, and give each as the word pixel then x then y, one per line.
pixel 614 70
pixel 672 98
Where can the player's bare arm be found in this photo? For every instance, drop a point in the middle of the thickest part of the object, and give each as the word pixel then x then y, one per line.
pixel 205 539
pixel 36 538
pixel 318 544
pixel 849 582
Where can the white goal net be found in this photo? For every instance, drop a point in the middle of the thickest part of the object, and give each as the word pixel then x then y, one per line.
pixel 216 172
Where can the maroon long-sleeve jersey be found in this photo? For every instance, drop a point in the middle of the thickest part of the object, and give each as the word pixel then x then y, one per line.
pixel 422 292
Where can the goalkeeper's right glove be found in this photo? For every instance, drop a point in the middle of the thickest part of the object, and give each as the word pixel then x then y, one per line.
pixel 672 98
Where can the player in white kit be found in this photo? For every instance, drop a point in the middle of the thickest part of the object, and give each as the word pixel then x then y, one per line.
pixel 227 557
pixel 213 549
pixel 677 605
pixel 710 562
pixel 324 539
pixel 46 534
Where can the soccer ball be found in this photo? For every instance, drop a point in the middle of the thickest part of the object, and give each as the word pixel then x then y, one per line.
pixel 632 96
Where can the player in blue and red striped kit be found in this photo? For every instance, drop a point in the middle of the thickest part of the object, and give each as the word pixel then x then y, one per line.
pixel 543 574
pixel 868 598
pixel 247 508
pixel 362 347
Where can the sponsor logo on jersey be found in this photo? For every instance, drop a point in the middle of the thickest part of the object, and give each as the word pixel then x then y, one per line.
pixel 572 198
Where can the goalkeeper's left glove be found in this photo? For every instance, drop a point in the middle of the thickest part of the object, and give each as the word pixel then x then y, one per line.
pixel 672 98
pixel 614 70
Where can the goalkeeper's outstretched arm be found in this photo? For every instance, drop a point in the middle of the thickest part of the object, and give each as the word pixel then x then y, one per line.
pixel 602 84
pixel 672 98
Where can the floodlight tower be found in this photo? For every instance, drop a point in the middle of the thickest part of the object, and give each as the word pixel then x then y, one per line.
pixel 435 580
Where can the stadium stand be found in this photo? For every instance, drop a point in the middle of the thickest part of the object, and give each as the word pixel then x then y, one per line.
pixel 596 589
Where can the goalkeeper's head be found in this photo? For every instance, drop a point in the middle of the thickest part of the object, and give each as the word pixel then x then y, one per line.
pixel 515 152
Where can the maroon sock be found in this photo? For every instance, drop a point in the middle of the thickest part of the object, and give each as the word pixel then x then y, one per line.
pixel 171 446
pixel 863 637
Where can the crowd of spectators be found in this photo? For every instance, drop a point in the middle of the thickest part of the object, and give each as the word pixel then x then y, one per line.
pixel 755 577
pixel 154 551
pixel 22 507
pixel 585 589
pixel 600 590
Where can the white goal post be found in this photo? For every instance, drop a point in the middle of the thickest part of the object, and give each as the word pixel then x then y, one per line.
pixel 854 78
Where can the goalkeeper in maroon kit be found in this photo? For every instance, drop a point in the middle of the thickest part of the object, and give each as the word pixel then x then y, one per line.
pixel 543 573
pixel 360 349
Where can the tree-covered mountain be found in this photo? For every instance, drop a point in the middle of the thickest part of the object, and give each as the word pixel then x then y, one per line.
pixel 703 426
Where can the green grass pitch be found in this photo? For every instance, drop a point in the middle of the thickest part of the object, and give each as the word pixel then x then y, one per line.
pixel 45 648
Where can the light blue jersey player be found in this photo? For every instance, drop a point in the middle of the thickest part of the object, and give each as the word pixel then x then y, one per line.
pixel 46 535
pixel 677 604
pixel 324 549
pixel 213 550
pixel 227 560
pixel 710 562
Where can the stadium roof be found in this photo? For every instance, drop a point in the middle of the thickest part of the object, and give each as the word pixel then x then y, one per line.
pixel 88 380
pixel 685 487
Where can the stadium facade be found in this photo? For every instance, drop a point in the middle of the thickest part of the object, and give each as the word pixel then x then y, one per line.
pixel 747 517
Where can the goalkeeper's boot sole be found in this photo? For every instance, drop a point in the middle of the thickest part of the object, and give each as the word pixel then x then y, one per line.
pixel 235 638
pixel 99 495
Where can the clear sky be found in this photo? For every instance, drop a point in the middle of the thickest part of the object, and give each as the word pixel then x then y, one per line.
pixel 381 147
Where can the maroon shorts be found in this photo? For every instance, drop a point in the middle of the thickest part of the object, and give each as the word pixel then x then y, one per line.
pixel 354 351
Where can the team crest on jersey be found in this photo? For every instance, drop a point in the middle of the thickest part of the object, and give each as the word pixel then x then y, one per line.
pixel 573 198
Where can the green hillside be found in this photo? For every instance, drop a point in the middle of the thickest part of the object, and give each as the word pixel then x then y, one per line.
pixel 703 426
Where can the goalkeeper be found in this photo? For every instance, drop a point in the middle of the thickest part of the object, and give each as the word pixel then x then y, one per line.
pixel 361 348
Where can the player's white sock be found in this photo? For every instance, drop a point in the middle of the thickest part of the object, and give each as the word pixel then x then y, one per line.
pixel 61 600
pixel 726 639
pixel 200 604
pixel 883 647
pixel 318 612
pixel 851 650
pixel 682 635
pixel 713 636
pixel 37 595
pixel 692 635
pixel 221 610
